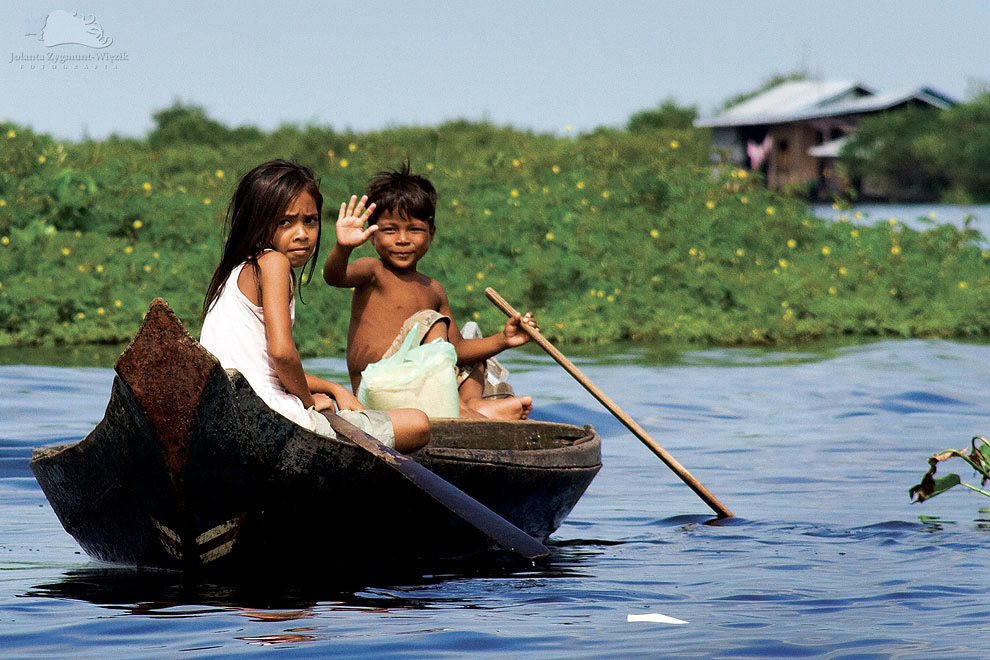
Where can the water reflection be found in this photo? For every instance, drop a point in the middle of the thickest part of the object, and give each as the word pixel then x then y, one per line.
pixel 284 595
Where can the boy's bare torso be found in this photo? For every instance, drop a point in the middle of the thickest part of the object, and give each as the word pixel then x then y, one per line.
pixel 380 307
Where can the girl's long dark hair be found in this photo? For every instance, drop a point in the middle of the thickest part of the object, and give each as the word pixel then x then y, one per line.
pixel 262 196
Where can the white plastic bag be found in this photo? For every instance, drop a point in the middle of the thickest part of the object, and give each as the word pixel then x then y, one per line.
pixel 416 376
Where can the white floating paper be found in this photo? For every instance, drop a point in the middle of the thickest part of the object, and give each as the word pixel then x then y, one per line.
pixel 654 617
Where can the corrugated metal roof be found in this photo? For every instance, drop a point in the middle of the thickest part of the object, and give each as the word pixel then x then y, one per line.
pixel 800 100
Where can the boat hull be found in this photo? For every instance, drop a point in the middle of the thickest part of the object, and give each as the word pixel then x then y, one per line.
pixel 189 469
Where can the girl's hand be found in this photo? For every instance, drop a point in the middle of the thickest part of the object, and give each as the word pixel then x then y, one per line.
pixel 322 402
pixel 347 401
pixel 514 334
pixel 350 222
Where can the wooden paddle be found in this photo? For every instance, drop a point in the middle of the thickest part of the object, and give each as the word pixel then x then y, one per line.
pixel 462 505
pixel 613 408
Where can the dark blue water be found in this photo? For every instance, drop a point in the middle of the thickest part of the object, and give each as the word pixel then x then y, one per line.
pixel 813 450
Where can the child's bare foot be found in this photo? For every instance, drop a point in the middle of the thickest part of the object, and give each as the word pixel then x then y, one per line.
pixel 510 408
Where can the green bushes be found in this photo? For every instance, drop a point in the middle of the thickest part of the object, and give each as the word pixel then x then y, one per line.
pixel 605 236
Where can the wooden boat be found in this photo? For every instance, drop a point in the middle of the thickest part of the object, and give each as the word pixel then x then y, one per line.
pixel 189 468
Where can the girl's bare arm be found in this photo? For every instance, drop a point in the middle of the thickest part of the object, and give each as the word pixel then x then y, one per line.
pixel 275 297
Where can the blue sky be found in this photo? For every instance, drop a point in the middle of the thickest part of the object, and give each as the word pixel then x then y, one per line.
pixel 543 66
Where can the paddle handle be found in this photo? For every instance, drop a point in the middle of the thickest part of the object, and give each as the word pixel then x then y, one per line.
pixel 613 408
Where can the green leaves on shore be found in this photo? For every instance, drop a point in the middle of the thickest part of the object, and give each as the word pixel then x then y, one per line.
pixel 604 236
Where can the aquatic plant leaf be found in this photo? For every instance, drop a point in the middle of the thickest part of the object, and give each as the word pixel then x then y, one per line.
pixel 931 486
pixel 978 458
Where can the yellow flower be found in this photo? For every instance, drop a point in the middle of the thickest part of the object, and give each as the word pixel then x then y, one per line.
pixel 742 174
pixel 147 269
pixel 783 304
pixel 480 276
pixel 791 243
pixel 470 287
pixel 5 240
pixel 476 316
pixel 146 185
pixel 488 211
pixel 545 190
pixel 985 254
pixel 843 270
pixel 181 189
pixel 740 252
pixel 155 255
pixel 600 294
pixel 99 268
pixel 118 303
pixel 207 201
pixel 783 263
pixel 771 210
pixel 654 233
pixel 429 166
pixel 933 215
pixel 555 169
pixel 892 221
pixel 826 250
pixel 515 162
pixel 128 249
pixel 549 236
pixel 219 174
pixel 80 316
pixel 896 249
pixel 81 268
pixel 744 199
pixel 605 194
pixel 832 291
pixel 455 203
pixel 580 185
pixel 693 251
pixel 3 202
pixel 137 224
pixel 343 162
pixel 710 204
pixel 101 311
pixel 610 298
pixel 41 159
pixel 352 147
pixel 854 233
pixel 568 128
pixel 674 144
pixel 66 251
pixel 962 285
pixel 514 193
pixel 858 215
pixel 11 133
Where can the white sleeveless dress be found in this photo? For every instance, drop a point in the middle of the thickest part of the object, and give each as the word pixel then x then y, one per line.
pixel 234 331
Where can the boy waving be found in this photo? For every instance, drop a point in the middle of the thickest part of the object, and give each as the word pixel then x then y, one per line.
pixel 390 295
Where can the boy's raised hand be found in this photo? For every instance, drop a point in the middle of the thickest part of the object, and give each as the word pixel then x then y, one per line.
pixel 350 222
pixel 514 334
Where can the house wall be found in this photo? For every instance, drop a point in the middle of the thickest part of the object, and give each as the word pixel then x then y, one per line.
pixel 789 162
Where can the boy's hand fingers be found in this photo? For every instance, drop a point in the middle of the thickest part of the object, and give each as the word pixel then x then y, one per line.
pixel 369 231
pixel 343 209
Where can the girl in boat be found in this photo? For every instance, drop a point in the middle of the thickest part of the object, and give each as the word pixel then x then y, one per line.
pixel 274 227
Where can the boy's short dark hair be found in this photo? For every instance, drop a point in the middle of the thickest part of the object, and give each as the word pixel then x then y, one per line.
pixel 400 192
